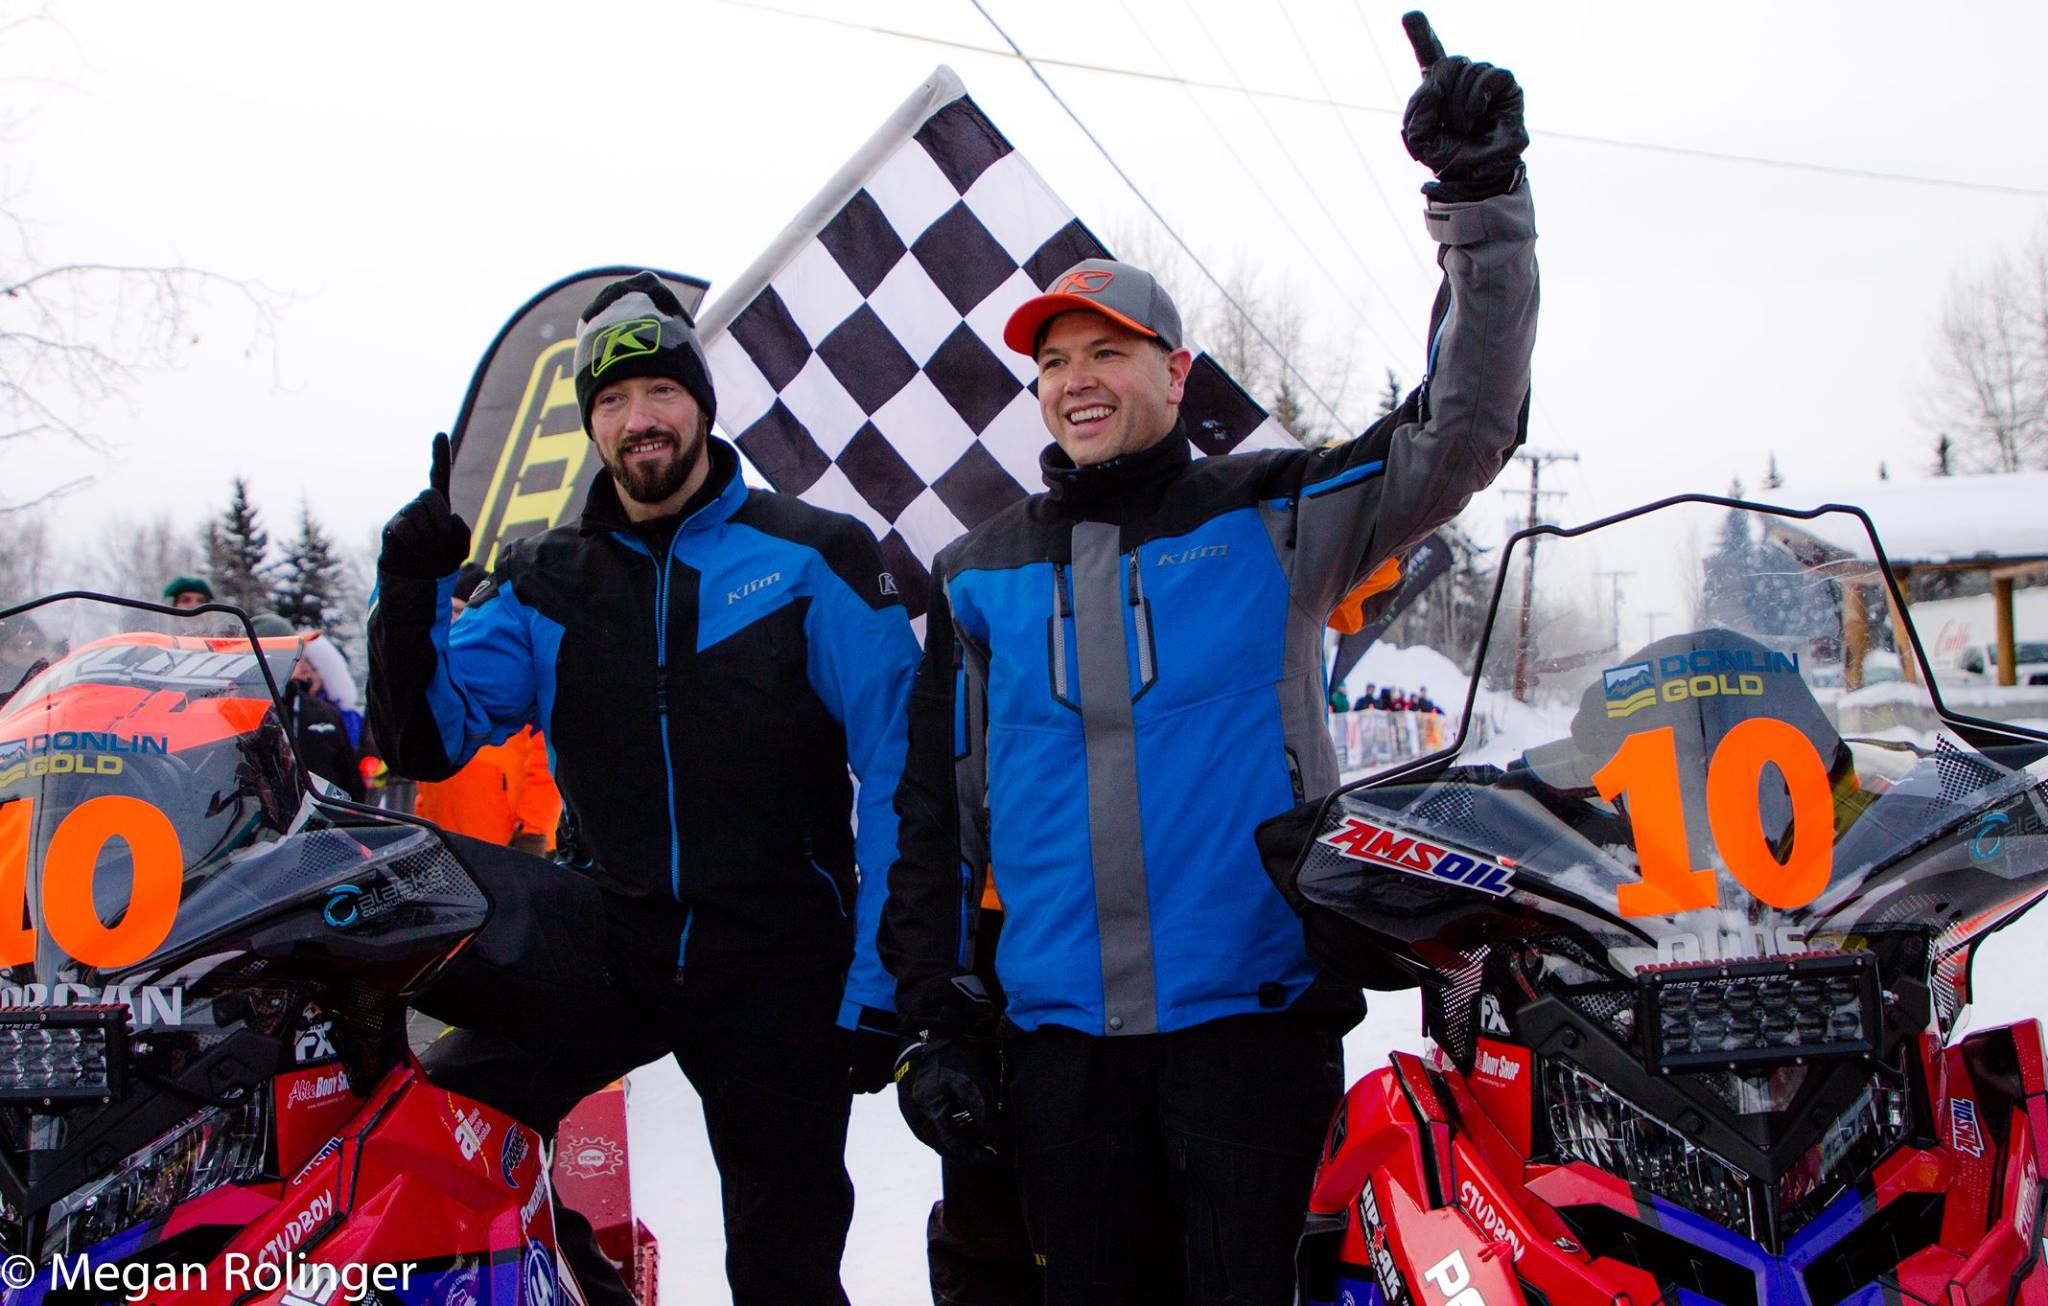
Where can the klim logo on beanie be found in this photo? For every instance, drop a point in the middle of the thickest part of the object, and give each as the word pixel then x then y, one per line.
pixel 624 340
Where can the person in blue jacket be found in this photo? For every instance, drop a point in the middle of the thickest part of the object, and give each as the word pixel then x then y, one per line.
pixel 712 666
pixel 1123 676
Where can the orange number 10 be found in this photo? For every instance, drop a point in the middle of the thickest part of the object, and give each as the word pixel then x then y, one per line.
pixel 1646 768
pixel 155 886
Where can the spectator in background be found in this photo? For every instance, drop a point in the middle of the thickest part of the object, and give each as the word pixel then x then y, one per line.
pixel 186 592
pixel 1368 700
pixel 506 794
pixel 317 733
pixel 1339 700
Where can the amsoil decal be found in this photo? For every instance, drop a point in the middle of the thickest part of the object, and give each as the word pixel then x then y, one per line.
pixel 1964 1134
pixel 1381 845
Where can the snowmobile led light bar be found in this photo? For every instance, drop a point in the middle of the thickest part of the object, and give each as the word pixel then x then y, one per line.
pixel 1725 1015
pixel 50 1055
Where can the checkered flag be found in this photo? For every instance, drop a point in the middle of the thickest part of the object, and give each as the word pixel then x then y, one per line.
pixel 859 362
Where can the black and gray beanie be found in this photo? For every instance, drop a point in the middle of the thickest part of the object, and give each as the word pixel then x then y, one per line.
pixel 637 327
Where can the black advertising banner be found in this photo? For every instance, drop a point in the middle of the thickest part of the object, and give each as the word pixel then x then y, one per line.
pixel 522 462
pixel 1419 570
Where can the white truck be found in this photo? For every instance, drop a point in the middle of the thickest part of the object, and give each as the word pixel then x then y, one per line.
pixel 1961 637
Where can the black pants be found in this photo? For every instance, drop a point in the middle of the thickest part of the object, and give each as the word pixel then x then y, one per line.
pixel 769 1062
pixel 1219 1125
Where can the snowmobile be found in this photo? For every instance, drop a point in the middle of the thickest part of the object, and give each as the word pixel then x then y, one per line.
pixel 1694 941
pixel 206 1091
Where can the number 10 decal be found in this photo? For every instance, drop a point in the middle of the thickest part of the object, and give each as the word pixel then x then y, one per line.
pixel 156 883
pixel 1646 769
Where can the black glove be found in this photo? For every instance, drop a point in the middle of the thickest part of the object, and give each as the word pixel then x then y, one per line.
pixel 426 540
pixel 948 1098
pixel 875 1045
pixel 1464 123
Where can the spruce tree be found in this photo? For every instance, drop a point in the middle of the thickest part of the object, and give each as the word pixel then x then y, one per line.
pixel 309 590
pixel 237 553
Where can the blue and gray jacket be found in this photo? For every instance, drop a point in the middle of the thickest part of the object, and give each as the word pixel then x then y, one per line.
pixel 1124 676
pixel 703 687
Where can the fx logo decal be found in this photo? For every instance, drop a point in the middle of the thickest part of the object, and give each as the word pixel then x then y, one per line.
pixel 626 340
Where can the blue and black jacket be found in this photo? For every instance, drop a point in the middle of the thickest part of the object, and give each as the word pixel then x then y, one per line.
pixel 1123 676
pixel 704 687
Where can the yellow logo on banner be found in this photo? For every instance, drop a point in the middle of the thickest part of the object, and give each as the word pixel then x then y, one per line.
pixel 542 458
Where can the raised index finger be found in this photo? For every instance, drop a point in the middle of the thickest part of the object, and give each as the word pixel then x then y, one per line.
pixel 437 479
pixel 1420 35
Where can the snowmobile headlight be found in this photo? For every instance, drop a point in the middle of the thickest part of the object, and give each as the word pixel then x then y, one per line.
pixel 219 1145
pixel 52 1055
pixel 1777 1009
pixel 1590 1122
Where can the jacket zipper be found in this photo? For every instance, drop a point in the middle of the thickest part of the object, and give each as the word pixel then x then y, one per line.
pixel 1142 617
pixel 675 836
pixel 811 856
pixel 1062 608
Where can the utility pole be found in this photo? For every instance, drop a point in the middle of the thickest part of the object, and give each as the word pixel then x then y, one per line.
pixel 1613 579
pixel 1536 458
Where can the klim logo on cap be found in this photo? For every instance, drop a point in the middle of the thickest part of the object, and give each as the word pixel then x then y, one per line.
pixel 626 340
pixel 1084 281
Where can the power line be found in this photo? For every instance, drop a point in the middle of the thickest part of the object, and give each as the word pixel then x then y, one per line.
pixel 1403 227
pixel 1581 138
pixel 1379 56
pixel 1153 209
pixel 1334 281
pixel 1287 153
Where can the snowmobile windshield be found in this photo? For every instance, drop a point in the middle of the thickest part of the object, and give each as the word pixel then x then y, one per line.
pixel 1699 733
pixel 142 754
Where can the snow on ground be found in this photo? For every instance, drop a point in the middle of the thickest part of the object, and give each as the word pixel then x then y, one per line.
pixel 895 1178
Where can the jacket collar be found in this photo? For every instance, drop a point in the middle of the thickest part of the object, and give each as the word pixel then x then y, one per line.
pixel 715 500
pixel 1119 479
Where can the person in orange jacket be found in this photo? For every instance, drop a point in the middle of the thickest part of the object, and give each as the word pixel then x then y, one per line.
pixel 506 794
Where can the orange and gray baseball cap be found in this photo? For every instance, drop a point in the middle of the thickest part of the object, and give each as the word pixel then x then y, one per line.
pixel 1120 292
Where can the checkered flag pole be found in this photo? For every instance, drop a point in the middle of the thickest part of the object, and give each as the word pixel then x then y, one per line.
pixel 859 362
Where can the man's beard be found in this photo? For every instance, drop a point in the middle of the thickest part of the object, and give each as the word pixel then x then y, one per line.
pixel 645 483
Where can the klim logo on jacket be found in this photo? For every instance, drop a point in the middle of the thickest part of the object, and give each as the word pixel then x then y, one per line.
pixel 1384 846
pixel 754 586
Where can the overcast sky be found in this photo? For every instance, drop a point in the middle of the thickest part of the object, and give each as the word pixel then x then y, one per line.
pixel 403 177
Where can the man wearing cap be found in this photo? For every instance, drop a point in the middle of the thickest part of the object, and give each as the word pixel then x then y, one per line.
pixel 1123 676
pixel 706 662
pixel 186 592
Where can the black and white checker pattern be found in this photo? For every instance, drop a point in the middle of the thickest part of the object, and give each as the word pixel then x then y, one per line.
pixel 870 376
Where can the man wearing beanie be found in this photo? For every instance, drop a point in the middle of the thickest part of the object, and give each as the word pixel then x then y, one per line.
pixel 707 663
pixel 1123 677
